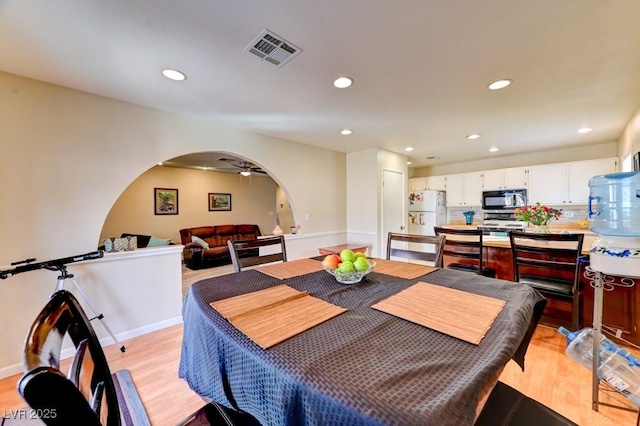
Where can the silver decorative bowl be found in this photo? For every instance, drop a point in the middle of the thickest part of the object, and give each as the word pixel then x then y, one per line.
pixel 350 277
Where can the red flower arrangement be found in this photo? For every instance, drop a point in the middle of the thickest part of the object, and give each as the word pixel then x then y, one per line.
pixel 538 214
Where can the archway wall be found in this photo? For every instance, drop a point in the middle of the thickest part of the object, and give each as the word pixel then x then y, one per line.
pixel 253 200
pixel 66 156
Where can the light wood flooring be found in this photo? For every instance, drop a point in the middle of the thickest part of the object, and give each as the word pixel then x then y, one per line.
pixel 550 377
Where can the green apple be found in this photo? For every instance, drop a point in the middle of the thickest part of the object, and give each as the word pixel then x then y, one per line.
pixel 346 266
pixel 361 264
pixel 360 254
pixel 347 254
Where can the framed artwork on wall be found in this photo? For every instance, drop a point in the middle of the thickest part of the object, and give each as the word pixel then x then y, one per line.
pixel 636 162
pixel 165 201
pixel 219 202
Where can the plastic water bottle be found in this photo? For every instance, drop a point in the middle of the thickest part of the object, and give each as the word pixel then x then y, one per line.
pixel 617 204
pixel 618 367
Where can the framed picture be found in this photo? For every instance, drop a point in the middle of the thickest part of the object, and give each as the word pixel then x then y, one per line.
pixel 219 202
pixel 636 162
pixel 165 201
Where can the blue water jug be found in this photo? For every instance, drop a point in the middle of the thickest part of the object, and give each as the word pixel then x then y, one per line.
pixel 617 209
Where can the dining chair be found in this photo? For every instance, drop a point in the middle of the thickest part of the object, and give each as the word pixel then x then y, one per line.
pixel 413 247
pixel 86 394
pixel 245 253
pixel 507 406
pixel 550 263
pixel 466 244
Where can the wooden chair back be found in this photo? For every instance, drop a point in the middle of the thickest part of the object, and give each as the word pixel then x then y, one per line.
pixel 469 246
pixel 243 252
pixel 86 395
pixel 550 263
pixel 409 252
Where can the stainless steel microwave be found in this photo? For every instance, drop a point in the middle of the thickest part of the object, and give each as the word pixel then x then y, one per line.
pixel 504 199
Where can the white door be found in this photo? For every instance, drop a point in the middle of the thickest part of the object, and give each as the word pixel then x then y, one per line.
pixel 393 206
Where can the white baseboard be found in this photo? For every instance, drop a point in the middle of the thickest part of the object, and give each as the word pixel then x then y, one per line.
pixel 106 341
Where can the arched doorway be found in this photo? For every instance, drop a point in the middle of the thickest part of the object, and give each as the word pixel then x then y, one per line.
pixel 254 197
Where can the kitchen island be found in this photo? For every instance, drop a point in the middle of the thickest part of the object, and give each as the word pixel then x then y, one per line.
pixel 619 307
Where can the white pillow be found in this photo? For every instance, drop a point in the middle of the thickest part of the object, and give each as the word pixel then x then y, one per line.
pixel 200 241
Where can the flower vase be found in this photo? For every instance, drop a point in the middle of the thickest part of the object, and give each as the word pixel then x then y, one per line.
pixel 541 229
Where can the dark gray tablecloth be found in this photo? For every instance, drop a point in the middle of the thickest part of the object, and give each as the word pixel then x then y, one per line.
pixel 363 367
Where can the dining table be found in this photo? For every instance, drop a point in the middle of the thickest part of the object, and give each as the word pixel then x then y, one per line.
pixel 363 366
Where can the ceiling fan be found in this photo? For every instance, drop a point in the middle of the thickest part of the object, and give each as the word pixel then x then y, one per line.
pixel 245 168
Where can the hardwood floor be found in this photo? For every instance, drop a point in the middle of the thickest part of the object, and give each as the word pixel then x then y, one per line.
pixel 550 377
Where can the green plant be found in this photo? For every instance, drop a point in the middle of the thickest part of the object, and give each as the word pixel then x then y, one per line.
pixel 538 214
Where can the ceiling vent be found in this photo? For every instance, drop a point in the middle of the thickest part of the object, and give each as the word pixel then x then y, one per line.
pixel 270 47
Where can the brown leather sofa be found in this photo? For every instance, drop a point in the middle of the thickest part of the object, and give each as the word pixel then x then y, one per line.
pixel 198 257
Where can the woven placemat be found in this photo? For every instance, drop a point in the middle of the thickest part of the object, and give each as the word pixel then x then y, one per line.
pixel 291 269
pixel 410 271
pixel 466 316
pixel 275 314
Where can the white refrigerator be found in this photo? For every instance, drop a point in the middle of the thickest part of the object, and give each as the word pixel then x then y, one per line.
pixel 426 210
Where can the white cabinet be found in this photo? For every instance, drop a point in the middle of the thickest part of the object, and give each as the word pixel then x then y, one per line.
pixel 553 184
pixel 464 189
pixel 473 189
pixel 581 171
pixel 455 190
pixel 493 179
pixel 566 183
pixel 437 183
pixel 516 178
pixel 418 184
pixel 548 184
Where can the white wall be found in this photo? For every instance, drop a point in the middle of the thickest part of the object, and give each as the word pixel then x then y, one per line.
pixel 629 143
pixel 66 156
pixel 364 194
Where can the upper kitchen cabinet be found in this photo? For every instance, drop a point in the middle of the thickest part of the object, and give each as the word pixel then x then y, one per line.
pixel 566 183
pixel 493 179
pixel 516 178
pixel 512 178
pixel 417 184
pixel 548 184
pixel 464 189
pixel 437 183
pixel 581 171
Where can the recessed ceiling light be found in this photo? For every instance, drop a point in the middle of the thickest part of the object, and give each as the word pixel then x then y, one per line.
pixel 499 84
pixel 409 149
pixel 160 163
pixel 343 82
pixel 346 132
pixel 409 162
pixel 494 149
pixel 174 74
pixel 473 136
pixel 585 130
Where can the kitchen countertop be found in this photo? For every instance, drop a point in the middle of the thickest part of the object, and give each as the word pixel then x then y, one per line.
pixel 503 241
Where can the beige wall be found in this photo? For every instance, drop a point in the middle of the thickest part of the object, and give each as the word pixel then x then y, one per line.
pixel 66 156
pixel 579 153
pixel 252 199
pixel 629 143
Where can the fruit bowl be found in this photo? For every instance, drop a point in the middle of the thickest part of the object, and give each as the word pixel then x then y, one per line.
pixel 350 277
